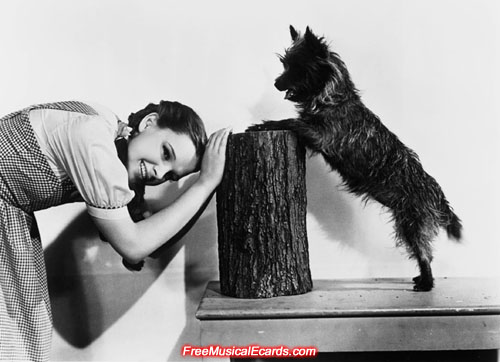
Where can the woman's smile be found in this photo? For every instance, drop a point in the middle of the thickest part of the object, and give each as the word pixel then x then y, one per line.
pixel 148 174
pixel 143 170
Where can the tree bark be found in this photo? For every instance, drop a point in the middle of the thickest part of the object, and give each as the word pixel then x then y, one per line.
pixel 261 217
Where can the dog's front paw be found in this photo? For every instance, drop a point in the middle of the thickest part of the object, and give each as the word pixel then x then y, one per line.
pixel 256 128
pixel 284 124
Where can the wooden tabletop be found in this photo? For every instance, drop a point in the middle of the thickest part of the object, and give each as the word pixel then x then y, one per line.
pixel 361 298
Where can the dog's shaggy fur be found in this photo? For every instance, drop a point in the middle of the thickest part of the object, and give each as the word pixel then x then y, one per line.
pixel 371 160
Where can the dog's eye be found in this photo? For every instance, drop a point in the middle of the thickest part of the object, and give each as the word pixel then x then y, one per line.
pixel 288 66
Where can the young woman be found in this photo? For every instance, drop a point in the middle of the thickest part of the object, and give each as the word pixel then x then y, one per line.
pixel 55 153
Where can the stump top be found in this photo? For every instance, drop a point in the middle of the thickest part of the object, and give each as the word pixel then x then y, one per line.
pixel 267 134
pixel 361 298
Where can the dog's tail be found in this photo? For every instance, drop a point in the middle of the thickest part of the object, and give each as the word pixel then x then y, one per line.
pixel 453 226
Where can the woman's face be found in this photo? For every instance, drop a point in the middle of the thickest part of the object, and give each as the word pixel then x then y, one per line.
pixel 157 155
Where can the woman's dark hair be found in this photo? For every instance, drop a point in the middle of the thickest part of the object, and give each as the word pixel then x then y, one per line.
pixel 179 118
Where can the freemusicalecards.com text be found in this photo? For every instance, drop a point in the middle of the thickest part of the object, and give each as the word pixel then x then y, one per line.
pixel 252 351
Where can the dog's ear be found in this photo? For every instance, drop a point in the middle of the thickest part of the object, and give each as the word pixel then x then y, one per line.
pixel 315 44
pixel 293 33
pixel 310 37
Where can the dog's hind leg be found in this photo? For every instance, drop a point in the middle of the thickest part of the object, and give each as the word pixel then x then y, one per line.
pixel 425 281
pixel 417 235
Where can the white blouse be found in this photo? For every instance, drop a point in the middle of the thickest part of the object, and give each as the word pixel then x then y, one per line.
pixel 82 148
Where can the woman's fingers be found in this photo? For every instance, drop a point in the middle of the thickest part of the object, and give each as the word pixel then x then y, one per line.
pixel 218 140
pixel 212 166
pixel 221 141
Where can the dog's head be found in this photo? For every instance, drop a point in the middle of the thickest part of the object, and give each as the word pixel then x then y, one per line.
pixel 310 68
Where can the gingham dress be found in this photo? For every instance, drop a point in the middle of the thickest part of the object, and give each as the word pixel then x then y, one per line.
pixel 27 184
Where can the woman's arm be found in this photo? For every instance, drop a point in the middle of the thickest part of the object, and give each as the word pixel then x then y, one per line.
pixel 135 241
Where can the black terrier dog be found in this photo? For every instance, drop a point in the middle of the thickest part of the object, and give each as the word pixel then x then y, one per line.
pixel 371 160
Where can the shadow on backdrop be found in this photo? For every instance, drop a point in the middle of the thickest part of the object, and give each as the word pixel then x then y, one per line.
pixel 89 287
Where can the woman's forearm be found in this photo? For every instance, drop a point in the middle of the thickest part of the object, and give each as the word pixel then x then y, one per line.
pixel 135 241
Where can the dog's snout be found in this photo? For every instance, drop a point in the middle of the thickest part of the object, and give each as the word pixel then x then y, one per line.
pixel 279 84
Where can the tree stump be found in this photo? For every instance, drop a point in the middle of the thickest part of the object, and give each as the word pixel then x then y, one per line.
pixel 261 217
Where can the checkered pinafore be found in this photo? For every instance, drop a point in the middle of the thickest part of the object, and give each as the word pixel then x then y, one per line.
pixel 27 184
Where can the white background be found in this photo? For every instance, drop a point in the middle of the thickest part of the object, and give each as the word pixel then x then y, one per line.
pixel 429 69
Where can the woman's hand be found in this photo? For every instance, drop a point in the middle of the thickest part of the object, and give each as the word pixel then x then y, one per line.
pixel 214 158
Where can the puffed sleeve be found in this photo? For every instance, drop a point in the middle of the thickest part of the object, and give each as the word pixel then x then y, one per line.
pixel 87 154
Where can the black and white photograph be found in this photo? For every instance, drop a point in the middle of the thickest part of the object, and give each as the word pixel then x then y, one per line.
pixel 250 180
